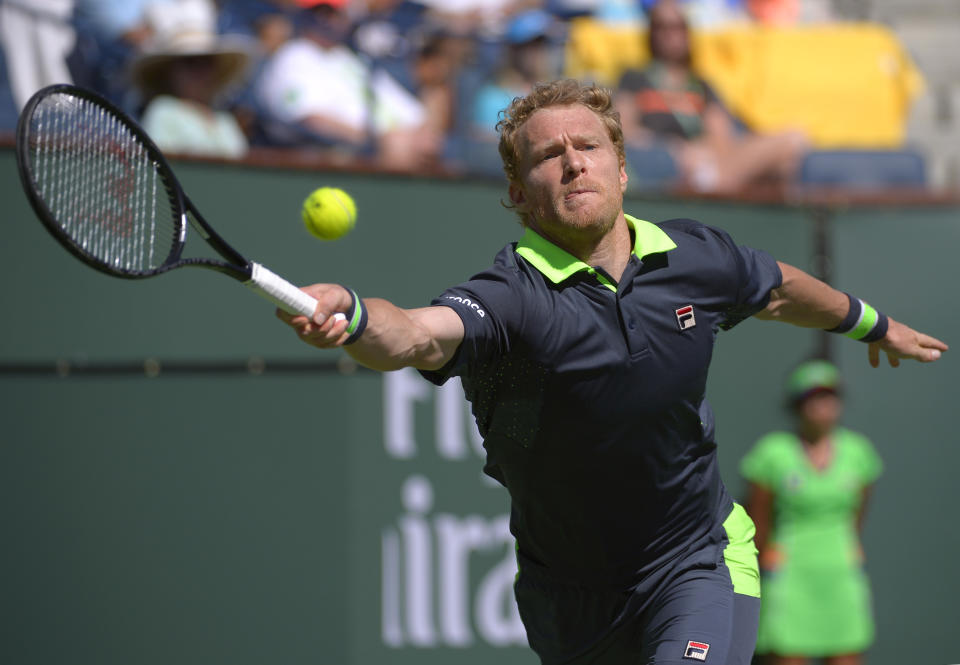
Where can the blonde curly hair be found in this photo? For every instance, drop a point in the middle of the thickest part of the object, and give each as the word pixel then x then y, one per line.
pixel 564 92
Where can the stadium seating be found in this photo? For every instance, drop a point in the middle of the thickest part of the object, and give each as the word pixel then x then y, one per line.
pixel 864 169
pixel 651 169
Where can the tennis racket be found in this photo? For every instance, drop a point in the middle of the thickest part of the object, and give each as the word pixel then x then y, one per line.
pixel 103 189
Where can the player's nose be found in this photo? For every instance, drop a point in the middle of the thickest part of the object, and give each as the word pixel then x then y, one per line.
pixel 573 162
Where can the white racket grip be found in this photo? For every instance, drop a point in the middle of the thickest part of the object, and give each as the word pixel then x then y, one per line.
pixel 279 291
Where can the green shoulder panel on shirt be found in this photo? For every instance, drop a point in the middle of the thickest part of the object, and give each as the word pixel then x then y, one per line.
pixel 557 264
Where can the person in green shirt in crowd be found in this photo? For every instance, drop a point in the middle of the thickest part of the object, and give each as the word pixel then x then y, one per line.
pixel 808 494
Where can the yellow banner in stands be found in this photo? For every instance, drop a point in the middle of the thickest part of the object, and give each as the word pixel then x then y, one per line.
pixel 845 85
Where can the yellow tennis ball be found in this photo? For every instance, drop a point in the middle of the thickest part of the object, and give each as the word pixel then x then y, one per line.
pixel 329 213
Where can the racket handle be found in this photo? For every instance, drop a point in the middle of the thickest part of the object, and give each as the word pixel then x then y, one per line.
pixel 282 293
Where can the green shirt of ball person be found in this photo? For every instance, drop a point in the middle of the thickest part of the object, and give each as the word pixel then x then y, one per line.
pixel 808 495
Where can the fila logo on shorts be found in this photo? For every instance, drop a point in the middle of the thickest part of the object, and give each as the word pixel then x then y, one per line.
pixel 696 650
pixel 685 317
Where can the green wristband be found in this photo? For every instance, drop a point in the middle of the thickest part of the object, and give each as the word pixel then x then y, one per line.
pixel 868 319
pixel 862 322
pixel 356 319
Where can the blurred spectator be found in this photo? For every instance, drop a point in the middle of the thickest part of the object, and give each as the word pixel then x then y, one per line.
pixel 789 12
pixel 182 73
pixel 272 24
pixel 808 493
pixel 709 14
pixel 389 33
pixel 109 35
pixel 483 18
pixel 568 9
pixel 315 89
pixel 529 56
pixel 436 67
pixel 618 12
pixel 36 37
pixel 115 19
pixel 774 12
pixel 400 37
pixel 270 21
pixel 112 33
pixel 667 103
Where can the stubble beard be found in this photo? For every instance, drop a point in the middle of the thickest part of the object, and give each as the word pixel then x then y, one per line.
pixel 597 219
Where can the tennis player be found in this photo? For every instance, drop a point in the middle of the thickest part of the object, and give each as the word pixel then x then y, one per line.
pixel 584 352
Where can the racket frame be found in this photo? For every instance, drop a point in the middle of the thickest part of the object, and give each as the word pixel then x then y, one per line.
pixel 236 265
pixel 258 278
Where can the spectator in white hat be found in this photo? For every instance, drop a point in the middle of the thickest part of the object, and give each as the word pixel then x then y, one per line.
pixel 183 72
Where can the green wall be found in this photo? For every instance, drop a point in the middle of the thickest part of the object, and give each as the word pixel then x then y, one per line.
pixel 319 516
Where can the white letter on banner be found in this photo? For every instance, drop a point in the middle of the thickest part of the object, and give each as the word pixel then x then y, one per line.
pixel 390 592
pixel 418 500
pixel 401 391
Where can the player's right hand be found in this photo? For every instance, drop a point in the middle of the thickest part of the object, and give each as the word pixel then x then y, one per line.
pixel 325 330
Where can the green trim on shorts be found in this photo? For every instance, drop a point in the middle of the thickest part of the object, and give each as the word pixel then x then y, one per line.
pixel 740 554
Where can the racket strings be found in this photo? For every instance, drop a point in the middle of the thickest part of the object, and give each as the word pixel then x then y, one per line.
pixel 101 185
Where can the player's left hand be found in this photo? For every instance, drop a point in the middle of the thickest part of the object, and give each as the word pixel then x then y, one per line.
pixel 904 342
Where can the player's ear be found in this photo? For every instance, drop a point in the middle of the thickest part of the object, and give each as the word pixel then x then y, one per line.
pixel 517 196
pixel 624 178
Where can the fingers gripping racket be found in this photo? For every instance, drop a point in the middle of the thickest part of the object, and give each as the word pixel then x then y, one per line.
pixel 106 193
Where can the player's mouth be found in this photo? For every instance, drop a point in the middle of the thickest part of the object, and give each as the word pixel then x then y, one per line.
pixel 571 195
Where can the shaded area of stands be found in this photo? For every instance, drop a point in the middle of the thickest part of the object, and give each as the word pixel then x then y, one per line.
pixel 893 124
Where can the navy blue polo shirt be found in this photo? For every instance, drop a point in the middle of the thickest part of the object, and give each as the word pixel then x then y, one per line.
pixel 590 394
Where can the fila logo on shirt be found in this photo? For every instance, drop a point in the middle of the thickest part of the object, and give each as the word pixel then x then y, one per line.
pixel 685 317
pixel 696 650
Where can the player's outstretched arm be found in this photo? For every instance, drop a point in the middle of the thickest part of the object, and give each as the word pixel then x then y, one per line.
pixel 804 300
pixel 393 338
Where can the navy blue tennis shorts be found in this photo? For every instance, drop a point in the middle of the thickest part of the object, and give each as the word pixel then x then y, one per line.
pixel 693 617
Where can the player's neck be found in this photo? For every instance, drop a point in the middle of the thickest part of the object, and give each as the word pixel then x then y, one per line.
pixel 612 251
